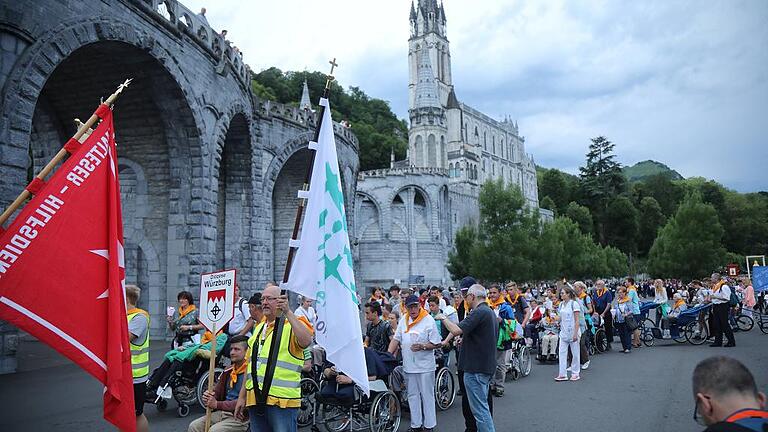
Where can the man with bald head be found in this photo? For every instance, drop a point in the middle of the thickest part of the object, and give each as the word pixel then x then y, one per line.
pixel 273 401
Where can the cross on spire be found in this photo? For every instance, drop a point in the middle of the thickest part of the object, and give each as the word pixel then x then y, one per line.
pixel 330 75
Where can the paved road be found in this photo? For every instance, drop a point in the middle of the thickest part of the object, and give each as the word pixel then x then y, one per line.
pixel 652 385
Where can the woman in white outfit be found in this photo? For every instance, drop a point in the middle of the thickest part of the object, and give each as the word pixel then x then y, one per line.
pixel 569 311
pixel 660 298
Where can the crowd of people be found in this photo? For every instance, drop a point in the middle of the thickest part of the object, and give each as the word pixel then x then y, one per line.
pixel 421 328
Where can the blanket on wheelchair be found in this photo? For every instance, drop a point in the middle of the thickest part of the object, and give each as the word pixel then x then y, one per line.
pixel 189 352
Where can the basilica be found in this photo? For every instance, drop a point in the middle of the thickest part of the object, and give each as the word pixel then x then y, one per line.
pixel 406 216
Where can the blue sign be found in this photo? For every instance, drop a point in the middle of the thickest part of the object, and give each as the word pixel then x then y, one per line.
pixel 760 278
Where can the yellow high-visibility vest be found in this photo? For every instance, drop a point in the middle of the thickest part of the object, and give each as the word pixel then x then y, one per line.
pixel 286 382
pixel 140 353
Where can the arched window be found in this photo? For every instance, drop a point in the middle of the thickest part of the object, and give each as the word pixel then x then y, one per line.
pixel 450 170
pixel 443 156
pixel 485 141
pixel 431 151
pixel 493 139
pixel 419 149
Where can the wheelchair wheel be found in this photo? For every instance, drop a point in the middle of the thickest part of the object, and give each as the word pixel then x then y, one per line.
pixel 646 336
pixel 524 361
pixel 680 336
pixel 445 389
pixel 763 324
pixel 202 384
pixel 333 418
pixel 309 388
pixel 183 410
pixel 692 337
pixel 601 341
pixel 385 413
pixel 744 323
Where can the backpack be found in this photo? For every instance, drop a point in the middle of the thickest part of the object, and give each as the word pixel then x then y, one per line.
pixel 734 300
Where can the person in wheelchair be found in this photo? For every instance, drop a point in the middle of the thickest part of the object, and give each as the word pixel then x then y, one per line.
pixel 339 388
pixel 223 398
pixel 187 359
pixel 549 338
pixel 671 318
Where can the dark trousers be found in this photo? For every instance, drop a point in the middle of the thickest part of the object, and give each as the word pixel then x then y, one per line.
pixel 608 327
pixel 469 419
pixel 720 323
pixel 623 330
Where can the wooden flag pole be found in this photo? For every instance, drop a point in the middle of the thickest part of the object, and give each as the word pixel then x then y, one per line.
pixel 307 178
pixel 211 368
pixel 24 195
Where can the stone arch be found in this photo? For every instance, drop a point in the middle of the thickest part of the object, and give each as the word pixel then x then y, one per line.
pixel 398 213
pixel 233 171
pixel 156 127
pixel 419 149
pixel 431 151
pixel 368 218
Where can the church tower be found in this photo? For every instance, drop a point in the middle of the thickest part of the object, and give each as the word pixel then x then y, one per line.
pixel 428 33
pixel 429 85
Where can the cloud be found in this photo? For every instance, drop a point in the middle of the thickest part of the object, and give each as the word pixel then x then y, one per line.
pixel 684 82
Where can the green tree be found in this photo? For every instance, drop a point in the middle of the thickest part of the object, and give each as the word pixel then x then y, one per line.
pixel 553 184
pixel 460 258
pixel 548 203
pixel 581 215
pixel 601 181
pixel 378 130
pixel 621 224
pixel 660 187
pixel 690 244
pixel 651 219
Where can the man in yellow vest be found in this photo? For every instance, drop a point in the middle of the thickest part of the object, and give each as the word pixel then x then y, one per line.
pixel 138 335
pixel 273 403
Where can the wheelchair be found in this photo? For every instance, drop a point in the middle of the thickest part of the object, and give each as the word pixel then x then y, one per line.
pixel 310 386
pixel 186 384
pixel 445 383
pixel 380 412
pixel 520 363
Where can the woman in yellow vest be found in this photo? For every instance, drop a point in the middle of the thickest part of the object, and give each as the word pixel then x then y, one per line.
pixel 276 411
pixel 138 336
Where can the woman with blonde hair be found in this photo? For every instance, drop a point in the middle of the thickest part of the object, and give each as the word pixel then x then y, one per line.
pixel 660 298
pixel 569 311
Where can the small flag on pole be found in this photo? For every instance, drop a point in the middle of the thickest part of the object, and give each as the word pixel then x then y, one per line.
pixel 322 269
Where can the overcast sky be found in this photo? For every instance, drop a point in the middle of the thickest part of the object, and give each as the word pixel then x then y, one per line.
pixel 681 82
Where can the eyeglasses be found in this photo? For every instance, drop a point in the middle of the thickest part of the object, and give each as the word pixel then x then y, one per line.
pixel 268 299
pixel 696 417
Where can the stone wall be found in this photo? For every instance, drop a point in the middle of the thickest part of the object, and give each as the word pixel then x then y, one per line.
pixel 198 154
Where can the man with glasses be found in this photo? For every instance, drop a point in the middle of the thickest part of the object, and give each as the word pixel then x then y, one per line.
pixel 726 397
pixel 273 402
pixel 477 355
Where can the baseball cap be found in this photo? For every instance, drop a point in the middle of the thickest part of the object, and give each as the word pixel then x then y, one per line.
pixel 412 299
pixel 467 282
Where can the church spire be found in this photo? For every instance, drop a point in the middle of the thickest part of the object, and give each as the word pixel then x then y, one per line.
pixel 305 102
pixel 426 87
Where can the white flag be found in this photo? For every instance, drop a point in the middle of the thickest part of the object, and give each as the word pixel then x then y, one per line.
pixel 322 268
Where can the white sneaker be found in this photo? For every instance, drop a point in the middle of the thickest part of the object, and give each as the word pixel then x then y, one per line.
pixel 585 365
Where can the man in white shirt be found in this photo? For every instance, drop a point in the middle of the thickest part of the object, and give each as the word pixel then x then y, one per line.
pixel 720 297
pixel 417 337
pixel 240 325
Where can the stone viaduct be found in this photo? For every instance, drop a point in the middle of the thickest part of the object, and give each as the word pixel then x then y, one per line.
pixel 209 173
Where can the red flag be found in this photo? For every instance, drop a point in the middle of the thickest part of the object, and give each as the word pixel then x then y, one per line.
pixel 62 271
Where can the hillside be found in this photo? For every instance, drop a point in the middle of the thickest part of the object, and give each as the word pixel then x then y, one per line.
pixel 642 170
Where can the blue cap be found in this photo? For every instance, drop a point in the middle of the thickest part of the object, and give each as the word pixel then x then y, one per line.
pixel 412 299
pixel 467 282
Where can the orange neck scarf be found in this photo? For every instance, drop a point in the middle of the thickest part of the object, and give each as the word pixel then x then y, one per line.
pixel 236 370
pixel 600 293
pixel 186 310
pixel 679 303
pixel 208 336
pixel 495 304
pixel 408 326
pixel 624 300
pixel 582 295
pixel 718 285
pixel 632 288
pixel 137 310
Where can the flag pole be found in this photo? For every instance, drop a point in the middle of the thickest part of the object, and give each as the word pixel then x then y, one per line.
pixel 211 369
pixel 302 202
pixel 24 195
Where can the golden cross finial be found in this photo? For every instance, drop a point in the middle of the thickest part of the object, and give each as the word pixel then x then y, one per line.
pixel 330 75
